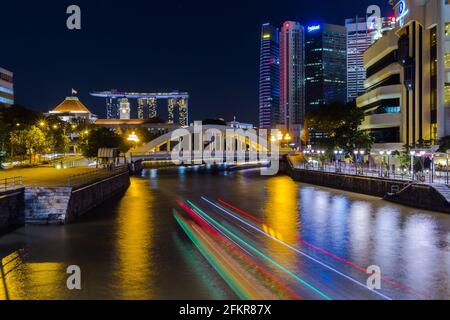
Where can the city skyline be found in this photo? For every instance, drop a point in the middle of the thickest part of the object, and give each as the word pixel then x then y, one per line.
pixel 209 153
pixel 43 78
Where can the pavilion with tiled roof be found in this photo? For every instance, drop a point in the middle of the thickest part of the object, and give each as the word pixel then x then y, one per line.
pixel 72 108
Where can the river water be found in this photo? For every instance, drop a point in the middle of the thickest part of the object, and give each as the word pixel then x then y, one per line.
pixel 132 247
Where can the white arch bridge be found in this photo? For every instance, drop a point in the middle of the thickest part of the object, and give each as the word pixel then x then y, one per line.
pixel 209 144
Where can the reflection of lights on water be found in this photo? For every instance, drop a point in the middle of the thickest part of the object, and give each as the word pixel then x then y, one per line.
pixel 282 211
pixel 135 266
pixel 153 173
pixel 41 280
pixel 182 170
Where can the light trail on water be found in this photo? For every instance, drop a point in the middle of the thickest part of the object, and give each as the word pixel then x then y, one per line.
pixel 294 276
pixel 387 280
pixel 296 250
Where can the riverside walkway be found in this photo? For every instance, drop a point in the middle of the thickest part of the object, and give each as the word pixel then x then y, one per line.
pixel 44 176
pixel 402 174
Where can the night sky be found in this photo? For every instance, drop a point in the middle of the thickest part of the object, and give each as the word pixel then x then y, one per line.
pixel 208 48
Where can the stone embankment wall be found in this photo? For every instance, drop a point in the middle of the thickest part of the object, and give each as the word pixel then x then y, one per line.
pixel 402 192
pixel 65 205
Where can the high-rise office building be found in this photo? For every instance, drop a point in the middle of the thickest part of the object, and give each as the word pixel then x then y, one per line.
pixel 360 35
pixel 359 38
pixel 292 79
pixel 326 65
pixel 269 78
pixel 407 99
pixel 6 88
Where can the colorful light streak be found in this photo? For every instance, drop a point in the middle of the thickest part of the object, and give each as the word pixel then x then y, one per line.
pixel 241 281
pixel 251 264
pixel 213 262
pixel 296 250
pixel 294 276
pixel 387 280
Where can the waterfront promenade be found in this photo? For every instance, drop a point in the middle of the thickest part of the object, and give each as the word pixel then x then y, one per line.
pixel 402 174
pixel 44 176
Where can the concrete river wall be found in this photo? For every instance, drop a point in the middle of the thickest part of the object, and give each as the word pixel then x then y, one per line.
pixel 65 205
pixel 403 192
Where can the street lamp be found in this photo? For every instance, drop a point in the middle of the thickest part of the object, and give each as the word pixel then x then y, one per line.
pixel 133 138
pixel 280 136
pixel 356 152
pixel 389 153
pixel 413 154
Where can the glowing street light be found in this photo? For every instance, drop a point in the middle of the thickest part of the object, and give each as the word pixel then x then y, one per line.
pixel 133 137
pixel 287 137
pixel 280 136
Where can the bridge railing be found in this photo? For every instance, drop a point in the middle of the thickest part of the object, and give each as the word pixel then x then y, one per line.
pixel 9 184
pixel 83 179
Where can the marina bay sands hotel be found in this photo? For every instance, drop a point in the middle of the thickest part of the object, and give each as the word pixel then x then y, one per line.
pixel 118 105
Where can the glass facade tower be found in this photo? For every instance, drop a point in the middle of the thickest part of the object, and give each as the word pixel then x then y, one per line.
pixel 326 65
pixel 6 88
pixel 292 79
pixel 269 78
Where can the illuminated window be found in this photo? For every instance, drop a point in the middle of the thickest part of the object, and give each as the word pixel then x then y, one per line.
pixel 447 60
pixel 447 93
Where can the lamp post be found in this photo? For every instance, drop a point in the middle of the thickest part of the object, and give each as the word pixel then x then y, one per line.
pixel 133 138
pixel 412 153
pixel 356 152
pixel 335 160
pixel 362 153
pixel 446 173
pixel 389 153
pixel 381 163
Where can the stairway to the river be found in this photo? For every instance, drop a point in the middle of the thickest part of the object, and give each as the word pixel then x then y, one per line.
pixel 443 189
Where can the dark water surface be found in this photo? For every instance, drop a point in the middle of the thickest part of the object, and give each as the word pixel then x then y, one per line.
pixel 132 248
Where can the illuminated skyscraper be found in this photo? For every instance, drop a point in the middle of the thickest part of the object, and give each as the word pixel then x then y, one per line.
pixel 358 40
pixel 292 79
pixel 172 103
pixel 152 111
pixel 326 65
pixel 269 78
pixel 6 88
pixel 360 35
